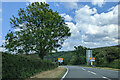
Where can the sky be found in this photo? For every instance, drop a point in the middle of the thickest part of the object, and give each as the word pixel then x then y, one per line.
pixel 92 24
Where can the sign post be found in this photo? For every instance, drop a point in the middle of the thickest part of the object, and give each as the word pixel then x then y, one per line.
pixel 88 56
pixel 91 63
pixel 92 59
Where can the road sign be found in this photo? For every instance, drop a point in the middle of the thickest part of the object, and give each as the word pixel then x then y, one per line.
pixel 92 59
pixel 60 60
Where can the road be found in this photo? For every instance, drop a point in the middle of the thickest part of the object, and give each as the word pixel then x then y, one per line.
pixel 76 72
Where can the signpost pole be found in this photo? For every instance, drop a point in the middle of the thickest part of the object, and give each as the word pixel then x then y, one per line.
pixel 91 63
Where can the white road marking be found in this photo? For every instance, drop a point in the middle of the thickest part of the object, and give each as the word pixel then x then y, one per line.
pixel 93 73
pixel 65 74
pixel 83 69
pixel 106 78
pixel 89 71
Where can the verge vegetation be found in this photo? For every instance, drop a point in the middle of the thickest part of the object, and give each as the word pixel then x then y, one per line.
pixel 104 56
pixel 17 66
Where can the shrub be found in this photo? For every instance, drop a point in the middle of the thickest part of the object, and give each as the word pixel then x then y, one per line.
pixel 16 66
pixel 115 64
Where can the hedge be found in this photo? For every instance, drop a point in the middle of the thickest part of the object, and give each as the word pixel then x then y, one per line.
pixel 16 66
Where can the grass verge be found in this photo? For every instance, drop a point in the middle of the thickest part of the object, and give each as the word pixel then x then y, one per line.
pixel 61 74
pixel 55 73
pixel 100 67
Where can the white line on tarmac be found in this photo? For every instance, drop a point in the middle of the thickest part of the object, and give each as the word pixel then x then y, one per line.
pixel 83 69
pixel 65 74
pixel 89 71
pixel 93 73
pixel 106 78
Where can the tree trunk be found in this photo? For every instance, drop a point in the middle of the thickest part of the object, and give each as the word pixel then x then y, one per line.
pixel 41 55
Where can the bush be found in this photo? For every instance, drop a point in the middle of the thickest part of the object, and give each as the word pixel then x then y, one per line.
pixel 16 66
pixel 115 64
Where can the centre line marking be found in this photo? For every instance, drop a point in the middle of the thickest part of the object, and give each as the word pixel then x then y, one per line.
pixel 83 69
pixel 106 78
pixel 93 73
pixel 89 71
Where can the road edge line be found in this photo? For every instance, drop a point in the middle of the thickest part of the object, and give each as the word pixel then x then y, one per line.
pixel 65 74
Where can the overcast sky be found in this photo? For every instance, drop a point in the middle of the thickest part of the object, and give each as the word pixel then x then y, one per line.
pixel 92 24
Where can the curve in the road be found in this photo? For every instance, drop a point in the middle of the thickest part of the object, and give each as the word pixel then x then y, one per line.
pixel 65 73
pixel 84 72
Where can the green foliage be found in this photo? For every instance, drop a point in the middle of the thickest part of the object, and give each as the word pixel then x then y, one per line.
pixel 107 56
pixel 79 55
pixel 40 30
pixel 115 64
pixel 104 57
pixel 21 66
pixel 66 55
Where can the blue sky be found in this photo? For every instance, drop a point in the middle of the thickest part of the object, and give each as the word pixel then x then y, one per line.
pixel 92 24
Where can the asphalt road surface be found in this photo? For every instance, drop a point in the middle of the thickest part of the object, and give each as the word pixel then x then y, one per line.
pixel 76 72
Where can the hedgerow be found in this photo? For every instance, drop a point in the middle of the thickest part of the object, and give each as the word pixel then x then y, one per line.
pixel 16 66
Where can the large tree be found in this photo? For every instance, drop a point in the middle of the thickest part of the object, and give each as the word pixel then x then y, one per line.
pixel 38 29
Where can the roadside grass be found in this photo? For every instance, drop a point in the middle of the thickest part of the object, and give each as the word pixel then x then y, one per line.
pixel 107 68
pixel 61 74
pixel 55 73
pixel 97 67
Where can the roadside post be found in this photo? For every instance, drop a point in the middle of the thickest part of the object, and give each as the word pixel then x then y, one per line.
pixel 91 63
pixel 88 56
pixel 92 59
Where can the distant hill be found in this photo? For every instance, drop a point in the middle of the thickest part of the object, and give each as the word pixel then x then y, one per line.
pixel 117 45
pixel 107 47
pixel 103 55
pixel 66 55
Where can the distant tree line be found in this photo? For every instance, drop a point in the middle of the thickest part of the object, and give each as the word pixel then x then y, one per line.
pixel 104 57
pixel 79 55
pixel 107 57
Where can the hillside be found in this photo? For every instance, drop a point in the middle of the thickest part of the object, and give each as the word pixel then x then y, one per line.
pixel 66 55
pixel 105 56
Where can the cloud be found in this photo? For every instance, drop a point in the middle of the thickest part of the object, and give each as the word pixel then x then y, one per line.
pixel 98 2
pixel 97 27
pixel 67 17
pixel 21 25
pixel 3 41
pixel 93 29
pixel 2 49
pixel 31 1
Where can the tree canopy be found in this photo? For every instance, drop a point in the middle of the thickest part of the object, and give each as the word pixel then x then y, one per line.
pixel 38 29
pixel 79 55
